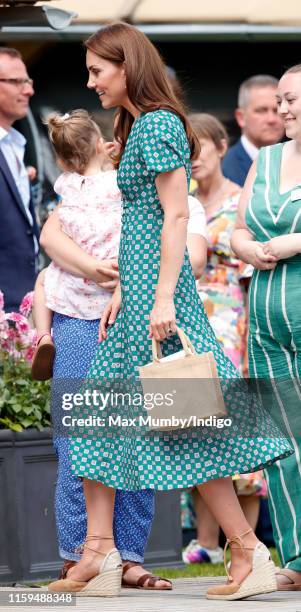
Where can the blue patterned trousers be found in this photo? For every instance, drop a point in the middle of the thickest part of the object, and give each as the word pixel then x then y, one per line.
pixel 76 343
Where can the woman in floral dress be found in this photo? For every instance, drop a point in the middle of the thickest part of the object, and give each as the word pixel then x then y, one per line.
pixel 157 290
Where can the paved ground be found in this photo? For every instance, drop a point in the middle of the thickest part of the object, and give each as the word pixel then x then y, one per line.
pixel 188 595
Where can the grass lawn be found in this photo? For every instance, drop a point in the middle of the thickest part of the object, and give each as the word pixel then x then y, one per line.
pixel 201 569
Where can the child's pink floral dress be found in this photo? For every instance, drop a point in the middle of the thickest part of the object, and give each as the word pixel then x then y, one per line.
pixel 90 213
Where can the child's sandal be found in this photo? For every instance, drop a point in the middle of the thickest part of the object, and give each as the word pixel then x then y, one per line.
pixel 42 363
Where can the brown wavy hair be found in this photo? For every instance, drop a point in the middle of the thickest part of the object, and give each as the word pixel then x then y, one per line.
pixel 148 86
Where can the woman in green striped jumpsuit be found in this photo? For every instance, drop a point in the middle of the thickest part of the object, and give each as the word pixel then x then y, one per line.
pixel 268 235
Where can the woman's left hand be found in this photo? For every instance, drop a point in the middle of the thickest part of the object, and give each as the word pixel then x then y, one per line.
pixel 163 319
pixel 283 247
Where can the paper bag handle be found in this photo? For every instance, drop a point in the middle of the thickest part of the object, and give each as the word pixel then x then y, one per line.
pixel 186 344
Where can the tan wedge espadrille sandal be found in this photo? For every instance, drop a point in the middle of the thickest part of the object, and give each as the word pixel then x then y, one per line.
pixel 107 583
pixel 261 579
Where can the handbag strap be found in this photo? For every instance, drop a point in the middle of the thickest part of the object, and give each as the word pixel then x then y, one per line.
pixel 185 341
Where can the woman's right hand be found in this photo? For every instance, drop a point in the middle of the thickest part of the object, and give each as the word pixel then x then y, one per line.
pixel 110 313
pixel 255 255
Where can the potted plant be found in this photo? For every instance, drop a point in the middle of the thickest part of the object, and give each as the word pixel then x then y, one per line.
pixel 28 547
pixel 24 402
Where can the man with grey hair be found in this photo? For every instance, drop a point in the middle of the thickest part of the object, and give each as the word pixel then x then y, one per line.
pixel 260 125
pixel 19 232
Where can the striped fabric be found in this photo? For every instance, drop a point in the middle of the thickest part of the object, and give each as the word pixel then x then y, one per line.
pixel 275 345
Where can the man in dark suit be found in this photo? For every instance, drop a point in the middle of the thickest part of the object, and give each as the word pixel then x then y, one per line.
pixel 19 231
pixel 260 125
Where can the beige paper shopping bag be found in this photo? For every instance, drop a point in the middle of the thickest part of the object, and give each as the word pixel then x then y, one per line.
pixel 181 388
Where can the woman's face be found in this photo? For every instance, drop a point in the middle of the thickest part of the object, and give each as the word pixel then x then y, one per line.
pixel 289 104
pixel 209 160
pixel 107 79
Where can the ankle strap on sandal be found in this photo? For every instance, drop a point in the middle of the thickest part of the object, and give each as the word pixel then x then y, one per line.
pixel 80 548
pixel 235 540
pixel 41 335
pixel 128 565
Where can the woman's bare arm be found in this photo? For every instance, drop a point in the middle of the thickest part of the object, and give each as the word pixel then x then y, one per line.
pixel 173 195
pixel 242 241
pixel 241 233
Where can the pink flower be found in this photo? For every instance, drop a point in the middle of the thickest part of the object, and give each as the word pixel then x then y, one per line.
pixel 12 334
pixel 17 338
pixel 5 345
pixel 23 326
pixel 33 336
pixel 14 316
pixel 3 325
pixel 1 300
pixel 21 322
pixel 27 339
pixel 28 354
pixel 26 304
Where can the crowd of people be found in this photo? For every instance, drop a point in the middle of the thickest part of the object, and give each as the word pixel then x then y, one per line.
pixel 137 250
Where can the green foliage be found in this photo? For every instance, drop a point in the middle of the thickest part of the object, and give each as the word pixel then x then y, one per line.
pixel 23 402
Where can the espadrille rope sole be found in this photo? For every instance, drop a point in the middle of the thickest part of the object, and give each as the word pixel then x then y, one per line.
pixel 256 583
pixel 107 584
pixel 261 579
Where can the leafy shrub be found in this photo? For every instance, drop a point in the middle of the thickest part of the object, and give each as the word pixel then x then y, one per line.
pixel 23 402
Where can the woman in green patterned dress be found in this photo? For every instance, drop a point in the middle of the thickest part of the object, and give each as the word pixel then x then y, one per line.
pixel 157 290
pixel 268 236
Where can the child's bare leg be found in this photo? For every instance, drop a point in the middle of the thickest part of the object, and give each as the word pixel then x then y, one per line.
pixel 42 363
pixel 42 315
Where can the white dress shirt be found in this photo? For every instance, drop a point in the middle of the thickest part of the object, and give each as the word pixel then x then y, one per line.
pixel 249 147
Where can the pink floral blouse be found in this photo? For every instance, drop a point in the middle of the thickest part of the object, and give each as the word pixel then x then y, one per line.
pixel 90 214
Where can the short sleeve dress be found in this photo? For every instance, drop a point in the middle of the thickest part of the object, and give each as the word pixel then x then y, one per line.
pixel 141 460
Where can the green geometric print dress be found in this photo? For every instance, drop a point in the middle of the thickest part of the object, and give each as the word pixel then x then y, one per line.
pixel 127 460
